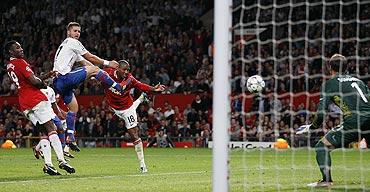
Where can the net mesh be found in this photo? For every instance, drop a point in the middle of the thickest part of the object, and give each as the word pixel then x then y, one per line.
pixel 288 43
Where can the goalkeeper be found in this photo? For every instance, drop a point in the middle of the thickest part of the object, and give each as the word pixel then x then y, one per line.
pixel 352 96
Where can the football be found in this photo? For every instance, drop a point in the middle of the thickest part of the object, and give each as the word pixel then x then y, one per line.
pixel 255 84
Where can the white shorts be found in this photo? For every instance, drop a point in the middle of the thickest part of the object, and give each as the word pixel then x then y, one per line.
pixel 129 115
pixel 41 113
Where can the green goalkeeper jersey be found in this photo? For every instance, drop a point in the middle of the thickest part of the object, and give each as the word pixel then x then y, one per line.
pixel 349 93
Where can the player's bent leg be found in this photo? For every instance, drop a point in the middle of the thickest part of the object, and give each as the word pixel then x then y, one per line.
pixel 323 158
pixel 103 76
pixel 46 150
pixel 57 146
pixel 37 149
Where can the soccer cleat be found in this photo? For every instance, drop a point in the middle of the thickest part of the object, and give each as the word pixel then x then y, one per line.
pixel 50 170
pixel 74 147
pixel 144 98
pixel 320 183
pixel 65 166
pixel 143 170
pixel 67 154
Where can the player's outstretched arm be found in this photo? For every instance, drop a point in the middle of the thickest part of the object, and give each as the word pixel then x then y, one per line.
pixel 35 81
pixel 98 61
pixel 49 74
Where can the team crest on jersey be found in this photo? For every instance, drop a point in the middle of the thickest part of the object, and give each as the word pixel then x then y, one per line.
pixel 113 90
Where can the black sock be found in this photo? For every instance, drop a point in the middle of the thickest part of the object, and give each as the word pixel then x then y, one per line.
pixel 323 159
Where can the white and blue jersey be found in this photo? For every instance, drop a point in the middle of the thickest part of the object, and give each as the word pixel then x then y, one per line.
pixel 68 53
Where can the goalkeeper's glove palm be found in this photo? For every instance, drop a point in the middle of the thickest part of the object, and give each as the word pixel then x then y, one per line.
pixel 303 129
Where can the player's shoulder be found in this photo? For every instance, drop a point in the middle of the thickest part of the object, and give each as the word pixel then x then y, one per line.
pixel 72 41
pixel 17 63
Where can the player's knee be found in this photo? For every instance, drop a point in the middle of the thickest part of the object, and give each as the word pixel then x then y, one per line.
pixel 136 140
pixel 323 145
pixel 92 70
pixel 50 127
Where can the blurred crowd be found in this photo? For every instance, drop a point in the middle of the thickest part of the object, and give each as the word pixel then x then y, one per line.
pixel 166 41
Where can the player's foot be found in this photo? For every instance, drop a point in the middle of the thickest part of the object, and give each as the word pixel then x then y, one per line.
pixel 143 169
pixel 49 169
pixel 144 98
pixel 74 147
pixel 67 154
pixel 65 166
pixel 320 183
pixel 36 153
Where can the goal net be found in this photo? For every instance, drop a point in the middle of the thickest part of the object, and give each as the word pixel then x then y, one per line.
pixel 289 44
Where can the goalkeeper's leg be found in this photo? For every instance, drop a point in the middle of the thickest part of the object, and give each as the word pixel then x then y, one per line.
pixel 333 139
pixel 323 158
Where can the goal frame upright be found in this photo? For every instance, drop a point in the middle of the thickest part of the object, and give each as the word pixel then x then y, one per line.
pixel 221 93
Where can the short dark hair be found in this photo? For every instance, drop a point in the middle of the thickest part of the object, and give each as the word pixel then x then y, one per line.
pixel 123 63
pixel 7 47
pixel 338 63
pixel 72 24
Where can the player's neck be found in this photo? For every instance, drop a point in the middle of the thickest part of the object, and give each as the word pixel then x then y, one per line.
pixel 117 75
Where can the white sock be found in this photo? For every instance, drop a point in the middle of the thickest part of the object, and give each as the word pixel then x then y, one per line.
pixel 57 146
pixel 137 102
pixel 44 147
pixel 38 146
pixel 140 152
pixel 66 149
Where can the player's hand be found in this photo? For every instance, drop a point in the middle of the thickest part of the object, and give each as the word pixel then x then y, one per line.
pixel 303 129
pixel 113 64
pixel 159 88
pixel 52 74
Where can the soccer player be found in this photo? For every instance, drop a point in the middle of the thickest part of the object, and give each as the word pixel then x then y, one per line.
pixel 351 95
pixel 50 94
pixel 125 108
pixel 69 52
pixel 35 105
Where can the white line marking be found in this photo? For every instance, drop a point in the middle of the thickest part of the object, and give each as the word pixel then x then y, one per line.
pixel 107 177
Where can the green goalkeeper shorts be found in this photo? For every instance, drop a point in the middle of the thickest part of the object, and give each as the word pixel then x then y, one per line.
pixel 347 132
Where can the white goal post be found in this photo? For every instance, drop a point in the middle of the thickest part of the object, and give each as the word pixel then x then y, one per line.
pixel 221 93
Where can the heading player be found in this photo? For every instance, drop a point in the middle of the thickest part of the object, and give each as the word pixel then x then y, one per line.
pixel 69 52
pixel 125 108
pixel 351 95
pixel 35 105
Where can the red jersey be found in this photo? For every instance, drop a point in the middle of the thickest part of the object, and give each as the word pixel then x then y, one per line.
pixel 122 101
pixel 28 95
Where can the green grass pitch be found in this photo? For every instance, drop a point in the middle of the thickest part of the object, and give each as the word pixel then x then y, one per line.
pixel 187 170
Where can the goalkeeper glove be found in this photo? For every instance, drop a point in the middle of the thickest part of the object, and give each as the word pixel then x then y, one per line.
pixel 303 129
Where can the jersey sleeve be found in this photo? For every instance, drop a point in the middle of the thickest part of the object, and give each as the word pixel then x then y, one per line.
pixel 77 47
pixel 323 105
pixel 139 85
pixel 79 58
